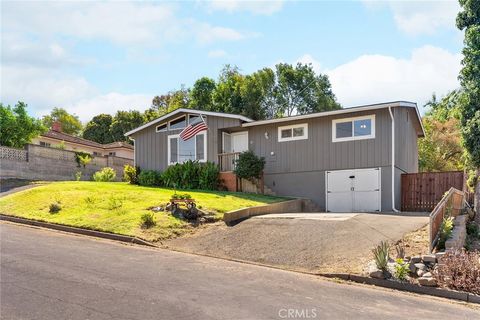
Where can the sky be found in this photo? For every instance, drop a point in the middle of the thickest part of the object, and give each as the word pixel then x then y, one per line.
pixel 100 57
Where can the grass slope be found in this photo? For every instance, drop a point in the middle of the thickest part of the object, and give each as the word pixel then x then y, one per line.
pixel 116 207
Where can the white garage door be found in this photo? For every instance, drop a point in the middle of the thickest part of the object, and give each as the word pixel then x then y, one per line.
pixel 353 190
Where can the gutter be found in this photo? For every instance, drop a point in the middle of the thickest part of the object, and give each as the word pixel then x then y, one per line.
pixel 393 159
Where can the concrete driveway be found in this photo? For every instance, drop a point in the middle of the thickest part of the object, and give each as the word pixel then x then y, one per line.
pixel 315 242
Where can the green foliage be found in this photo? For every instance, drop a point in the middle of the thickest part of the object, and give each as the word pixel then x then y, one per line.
pixel 70 123
pixel 82 158
pixel 441 149
pixel 150 178
pixel 468 20
pixel 98 129
pixel 55 207
pixel 401 269
pixel 183 176
pixel 208 176
pixel 446 229
pixel 249 166
pixel 60 146
pixel 17 128
pixel 130 174
pixel 147 220
pixel 473 229
pixel 181 196
pixel 202 94
pixel 107 174
pixel 123 122
pixel 114 203
pixel 380 255
pixel 78 175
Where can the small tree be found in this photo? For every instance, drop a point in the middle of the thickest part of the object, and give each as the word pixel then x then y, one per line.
pixel 17 128
pixel 249 166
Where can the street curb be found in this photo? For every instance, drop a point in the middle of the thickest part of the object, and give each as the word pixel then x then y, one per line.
pixel 437 292
pixel 85 232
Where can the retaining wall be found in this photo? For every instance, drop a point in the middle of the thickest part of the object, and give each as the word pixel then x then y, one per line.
pixel 50 164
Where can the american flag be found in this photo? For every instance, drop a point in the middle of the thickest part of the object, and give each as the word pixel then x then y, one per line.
pixel 193 129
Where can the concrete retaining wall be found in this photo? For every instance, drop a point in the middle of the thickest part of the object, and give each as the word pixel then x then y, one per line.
pixel 296 205
pixel 50 164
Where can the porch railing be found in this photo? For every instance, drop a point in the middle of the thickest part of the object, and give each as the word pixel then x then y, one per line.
pixel 226 161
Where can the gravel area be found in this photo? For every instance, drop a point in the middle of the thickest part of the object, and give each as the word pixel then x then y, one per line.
pixel 314 245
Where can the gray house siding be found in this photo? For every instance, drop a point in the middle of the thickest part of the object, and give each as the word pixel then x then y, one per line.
pixel 151 147
pixel 297 168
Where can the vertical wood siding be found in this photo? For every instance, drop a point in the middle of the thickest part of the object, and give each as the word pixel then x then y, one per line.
pixel 151 147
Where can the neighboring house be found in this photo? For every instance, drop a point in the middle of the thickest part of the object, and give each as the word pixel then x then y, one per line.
pixel 345 160
pixel 56 138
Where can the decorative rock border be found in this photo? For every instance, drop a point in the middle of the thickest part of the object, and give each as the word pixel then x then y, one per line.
pixel 86 232
pixel 405 286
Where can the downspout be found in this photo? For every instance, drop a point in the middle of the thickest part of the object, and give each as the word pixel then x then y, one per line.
pixel 393 159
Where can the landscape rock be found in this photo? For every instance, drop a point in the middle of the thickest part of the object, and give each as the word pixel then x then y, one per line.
pixel 429 258
pixel 416 259
pixel 427 275
pixel 420 266
pixel 377 274
pixel 427 282
pixel 412 268
pixel 420 273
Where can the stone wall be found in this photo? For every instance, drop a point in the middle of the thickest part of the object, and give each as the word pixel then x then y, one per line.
pixel 49 164
pixel 459 234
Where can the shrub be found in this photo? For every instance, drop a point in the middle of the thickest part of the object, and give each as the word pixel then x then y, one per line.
pixel 82 158
pixel 380 254
pixel 107 174
pixel 400 249
pixel 181 196
pixel 149 178
pixel 249 166
pixel 147 220
pixel 401 269
pixel 460 271
pixel 55 207
pixel 445 231
pixel 473 230
pixel 78 175
pixel 130 174
pixel 208 176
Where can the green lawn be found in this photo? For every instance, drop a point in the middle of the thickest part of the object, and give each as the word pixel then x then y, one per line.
pixel 116 207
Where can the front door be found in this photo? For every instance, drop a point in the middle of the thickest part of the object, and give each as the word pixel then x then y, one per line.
pixel 239 141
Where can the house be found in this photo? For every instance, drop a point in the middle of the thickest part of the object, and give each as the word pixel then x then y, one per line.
pixel 56 138
pixel 345 160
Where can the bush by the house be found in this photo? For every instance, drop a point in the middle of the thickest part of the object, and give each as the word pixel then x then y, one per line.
pixel 150 178
pixel 130 174
pixel 78 175
pixel 380 255
pixel 82 158
pixel 147 220
pixel 249 166
pixel 460 271
pixel 191 175
pixel 446 229
pixel 107 174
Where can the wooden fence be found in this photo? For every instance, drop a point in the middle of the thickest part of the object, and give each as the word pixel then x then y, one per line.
pixel 422 191
pixel 450 205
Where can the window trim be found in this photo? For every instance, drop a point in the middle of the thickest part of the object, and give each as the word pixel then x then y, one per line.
pixel 177 136
pixel 182 116
pixel 352 120
pixel 166 127
pixel 293 126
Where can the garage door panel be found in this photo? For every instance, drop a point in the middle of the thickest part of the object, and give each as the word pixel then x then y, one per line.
pixel 339 181
pixel 368 201
pixel 366 180
pixel 339 201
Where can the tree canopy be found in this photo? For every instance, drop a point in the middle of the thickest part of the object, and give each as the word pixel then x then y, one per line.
pixel 98 129
pixel 469 21
pixel 124 121
pixel 17 128
pixel 70 123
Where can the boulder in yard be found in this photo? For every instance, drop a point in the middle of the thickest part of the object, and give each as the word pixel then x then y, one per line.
pixel 427 282
pixel 420 266
pixel 416 259
pixel 429 258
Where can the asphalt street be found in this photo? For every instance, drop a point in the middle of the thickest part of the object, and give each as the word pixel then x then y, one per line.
pixel 52 275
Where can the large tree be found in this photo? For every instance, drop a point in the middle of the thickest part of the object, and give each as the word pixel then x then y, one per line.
pixel 98 129
pixel 69 122
pixel 468 20
pixel 202 94
pixel 124 121
pixel 169 102
pixel 17 128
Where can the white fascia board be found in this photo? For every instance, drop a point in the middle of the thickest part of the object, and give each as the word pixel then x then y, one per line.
pixel 192 111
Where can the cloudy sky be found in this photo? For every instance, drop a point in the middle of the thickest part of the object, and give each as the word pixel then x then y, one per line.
pixel 93 57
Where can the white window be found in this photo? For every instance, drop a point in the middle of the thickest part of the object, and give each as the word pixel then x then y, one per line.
pixel 194 148
pixel 293 132
pixel 357 128
pixel 162 127
pixel 178 123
